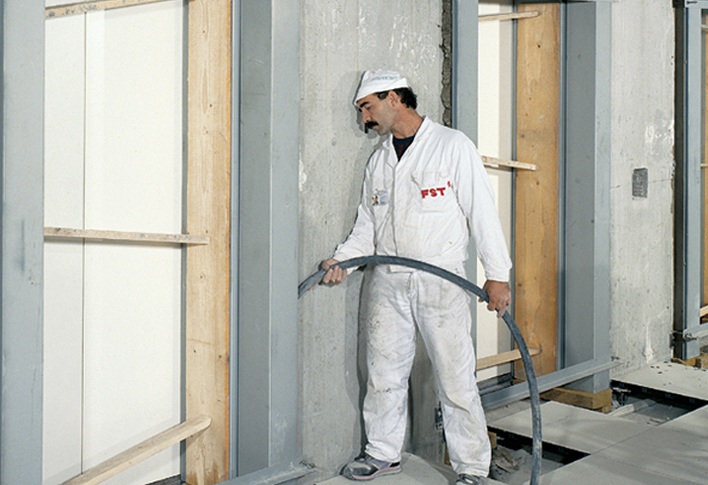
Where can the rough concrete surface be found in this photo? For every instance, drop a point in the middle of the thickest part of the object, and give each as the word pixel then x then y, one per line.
pixel 642 137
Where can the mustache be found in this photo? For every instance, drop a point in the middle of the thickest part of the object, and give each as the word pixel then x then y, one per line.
pixel 369 125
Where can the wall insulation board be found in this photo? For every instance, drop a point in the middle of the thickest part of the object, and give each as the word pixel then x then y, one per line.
pixel 494 139
pixel 114 161
pixel 63 261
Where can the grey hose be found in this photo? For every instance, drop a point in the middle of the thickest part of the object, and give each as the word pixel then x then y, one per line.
pixel 469 286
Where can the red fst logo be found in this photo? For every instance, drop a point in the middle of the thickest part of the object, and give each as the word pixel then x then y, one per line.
pixel 434 192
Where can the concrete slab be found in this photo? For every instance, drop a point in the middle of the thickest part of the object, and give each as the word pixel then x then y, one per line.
pixel 677 448
pixel 416 471
pixel 596 469
pixel 669 377
pixel 572 427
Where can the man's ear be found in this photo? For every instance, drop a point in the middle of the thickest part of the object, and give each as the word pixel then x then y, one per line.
pixel 393 98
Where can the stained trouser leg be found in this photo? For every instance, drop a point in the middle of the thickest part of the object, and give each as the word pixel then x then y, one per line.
pixel 390 351
pixel 443 316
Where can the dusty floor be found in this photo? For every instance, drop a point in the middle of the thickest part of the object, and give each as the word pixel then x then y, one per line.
pixel 656 434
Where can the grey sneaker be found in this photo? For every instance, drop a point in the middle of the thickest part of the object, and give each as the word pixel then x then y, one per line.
pixel 365 467
pixel 465 479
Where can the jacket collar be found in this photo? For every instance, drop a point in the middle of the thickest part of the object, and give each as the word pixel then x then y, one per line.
pixel 422 133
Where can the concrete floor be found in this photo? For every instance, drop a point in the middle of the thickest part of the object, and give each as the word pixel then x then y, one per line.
pixel 653 445
pixel 416 471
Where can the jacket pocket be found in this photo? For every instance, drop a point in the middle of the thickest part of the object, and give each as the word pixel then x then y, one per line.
pixel 434 191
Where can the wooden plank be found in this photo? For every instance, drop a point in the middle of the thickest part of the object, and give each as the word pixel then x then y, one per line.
pixel 536 197
pixel 704 311
pixel 498 162
pixel 141 451
pixel 600 401
pixel 139 237
pixel 207 309
pixel 509 16
pixel 503 358
pixel 699 362
pixel 92 6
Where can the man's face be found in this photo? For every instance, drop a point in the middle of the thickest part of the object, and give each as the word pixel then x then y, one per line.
pixel 377 114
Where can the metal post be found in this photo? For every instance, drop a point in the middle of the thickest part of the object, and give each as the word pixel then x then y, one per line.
pixel 586 188
pixel 21 240
pixel 267 318
pixel 688 226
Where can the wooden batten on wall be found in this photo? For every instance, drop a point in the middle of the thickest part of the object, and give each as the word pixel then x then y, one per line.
pixel 207 272
pixel 536 202
pixel 92 6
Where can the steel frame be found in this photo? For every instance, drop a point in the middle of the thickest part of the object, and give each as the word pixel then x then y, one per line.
pixel 688 224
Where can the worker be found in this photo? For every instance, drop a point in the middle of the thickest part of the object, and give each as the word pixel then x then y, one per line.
pixel 425 192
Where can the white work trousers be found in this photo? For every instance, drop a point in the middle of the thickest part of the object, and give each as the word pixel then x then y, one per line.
pixel 398 302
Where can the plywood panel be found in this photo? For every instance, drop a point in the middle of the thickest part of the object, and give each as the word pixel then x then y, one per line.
pixel 208 200
pixel 63 262
pixel 133 183
pixel 495 131
pixel 536 203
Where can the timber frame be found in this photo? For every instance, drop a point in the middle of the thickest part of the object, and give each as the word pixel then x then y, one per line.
pixel 208 211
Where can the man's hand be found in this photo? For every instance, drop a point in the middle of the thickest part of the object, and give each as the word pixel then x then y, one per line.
pixel 499 296
pixel 334 274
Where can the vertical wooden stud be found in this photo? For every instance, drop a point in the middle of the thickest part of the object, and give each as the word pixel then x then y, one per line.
pixel 536 198
pixel 208 202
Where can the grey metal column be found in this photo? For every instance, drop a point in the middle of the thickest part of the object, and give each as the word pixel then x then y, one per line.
pixel 465 52
pixel 22 240
pixel 465 108
pixel 268 366
pixel 688 226
pixel 586 189
pixel 235 233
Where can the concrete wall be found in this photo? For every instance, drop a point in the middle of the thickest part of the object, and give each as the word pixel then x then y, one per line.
pixel 339 40
pixel 642 137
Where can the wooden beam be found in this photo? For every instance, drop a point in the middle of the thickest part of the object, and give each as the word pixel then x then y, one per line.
pixel 704 311
pixel 207 309
pixel 138 237
pixel 509 16
pixel 699 362
pixel 597 401
pixel 141 452
pixel 498 162
pixel 536 196
pixel 503 358
pixel 92 6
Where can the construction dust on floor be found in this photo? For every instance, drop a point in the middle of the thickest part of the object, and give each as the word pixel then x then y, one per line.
pixel 655 434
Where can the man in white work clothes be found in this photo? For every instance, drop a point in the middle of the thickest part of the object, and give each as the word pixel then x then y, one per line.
pixel 425 192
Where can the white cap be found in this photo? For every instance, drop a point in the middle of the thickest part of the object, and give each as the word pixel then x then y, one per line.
pixel 379 81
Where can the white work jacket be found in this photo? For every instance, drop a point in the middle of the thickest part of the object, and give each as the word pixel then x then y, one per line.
pixel 426 205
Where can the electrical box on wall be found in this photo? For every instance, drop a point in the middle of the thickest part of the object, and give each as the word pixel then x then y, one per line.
pixel 640 183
